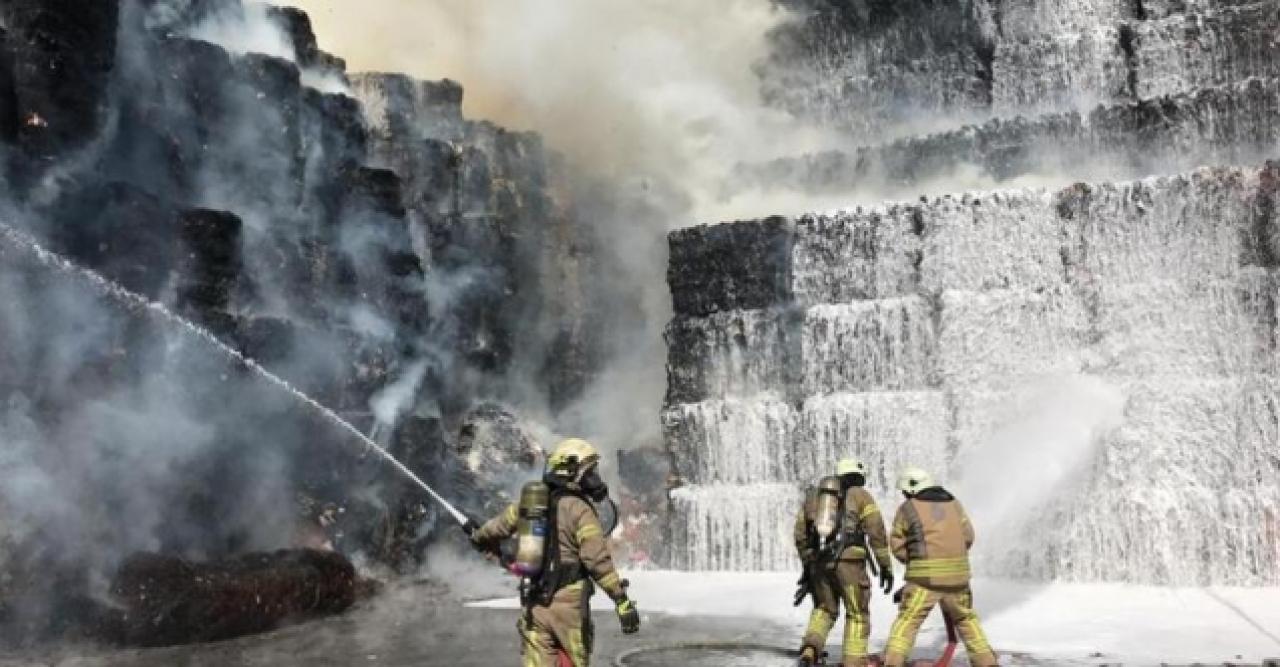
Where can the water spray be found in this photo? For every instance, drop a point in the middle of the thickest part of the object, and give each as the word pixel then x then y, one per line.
pixel 134 301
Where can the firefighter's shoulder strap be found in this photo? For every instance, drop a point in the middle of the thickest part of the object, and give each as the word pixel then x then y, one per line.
pixel 860 504
pixel 809 509
pixel 556 573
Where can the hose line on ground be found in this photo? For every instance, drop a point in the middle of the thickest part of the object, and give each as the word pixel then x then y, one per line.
pixel 621 660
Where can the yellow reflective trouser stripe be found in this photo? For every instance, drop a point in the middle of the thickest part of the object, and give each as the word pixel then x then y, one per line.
pixel 512 514
pixel 856 553
pixel 856 628
pixel 935 567
pixel 820 623
pixel 577 649
pixel 977 641
pixel 531 656
pixel 899 643
pixel 588 531
pixel 868 510
pixel 610 581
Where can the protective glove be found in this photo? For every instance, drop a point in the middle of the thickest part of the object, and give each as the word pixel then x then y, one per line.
pixel 803 588
pixel 886 580
pixel 471 528
pixel 628 616
pixel 897 596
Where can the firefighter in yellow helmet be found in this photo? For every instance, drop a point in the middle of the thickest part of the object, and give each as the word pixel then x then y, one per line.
pixel 833 530
pixel 562 550
pixel 932 535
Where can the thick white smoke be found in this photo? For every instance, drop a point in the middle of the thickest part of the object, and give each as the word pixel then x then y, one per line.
pixel 631 91
pixel 651 104
pixel 247 30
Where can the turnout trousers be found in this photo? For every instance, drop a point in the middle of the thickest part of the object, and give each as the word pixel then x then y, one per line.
pixel 846 583
pixel 957 605
pixel 563 625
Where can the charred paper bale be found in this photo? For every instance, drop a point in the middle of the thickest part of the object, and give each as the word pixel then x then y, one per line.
pixel 208 262
pixel 120 230
pixel 494 452
pixel 63 54
pixel 269 164
pixel 493 441
pixel 168 601
pixel 166 17
pixel 726 267
pixel 297 25
pixel 338 130
pixel 8 97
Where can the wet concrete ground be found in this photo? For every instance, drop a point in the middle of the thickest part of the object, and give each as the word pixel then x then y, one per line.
pixel 415 625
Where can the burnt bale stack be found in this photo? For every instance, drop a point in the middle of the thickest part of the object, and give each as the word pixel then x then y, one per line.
pixel 168 600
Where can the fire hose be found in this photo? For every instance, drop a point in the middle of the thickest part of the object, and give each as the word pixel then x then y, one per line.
pixel 624 660
pixel 950 651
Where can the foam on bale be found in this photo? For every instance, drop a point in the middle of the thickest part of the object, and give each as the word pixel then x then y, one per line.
pixel 734 353
pixel 1004 240
pixel 1069 70
pixel 851 255
pixel 1199 225
pixel 1206 47
pixel 886 429
pixel 1211 329
pixel 994 338
pixel 732 441
pixel 1163 287
pixel 754 536
pixel 1028 18
pixel 885 344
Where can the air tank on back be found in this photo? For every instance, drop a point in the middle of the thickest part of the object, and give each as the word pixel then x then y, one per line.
pixel 531 529
pixel 826 518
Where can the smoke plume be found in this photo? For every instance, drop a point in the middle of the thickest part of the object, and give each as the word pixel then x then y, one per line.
pixel 648 91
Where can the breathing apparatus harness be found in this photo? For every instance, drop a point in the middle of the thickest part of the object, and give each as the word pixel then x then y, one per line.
pixel 828 536
pixel 850 536
pixel 537 563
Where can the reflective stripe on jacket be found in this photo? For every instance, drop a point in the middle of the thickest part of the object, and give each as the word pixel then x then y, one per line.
pixel 932 536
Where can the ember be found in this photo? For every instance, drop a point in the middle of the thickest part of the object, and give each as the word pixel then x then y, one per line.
pixel 169 601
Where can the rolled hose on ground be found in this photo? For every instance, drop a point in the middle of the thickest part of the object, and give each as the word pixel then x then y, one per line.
pixel 621 660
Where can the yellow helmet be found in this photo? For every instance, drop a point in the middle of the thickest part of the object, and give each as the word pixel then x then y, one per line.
pixel 572 457
pixel 851 466
pixel 914 480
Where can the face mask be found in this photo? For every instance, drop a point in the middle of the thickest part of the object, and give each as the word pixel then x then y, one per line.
pixel 852 480
pixel 594 487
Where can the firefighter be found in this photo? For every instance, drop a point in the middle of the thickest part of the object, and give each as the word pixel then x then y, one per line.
pixel 562 550
pixel 833 529
pixel 932 535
